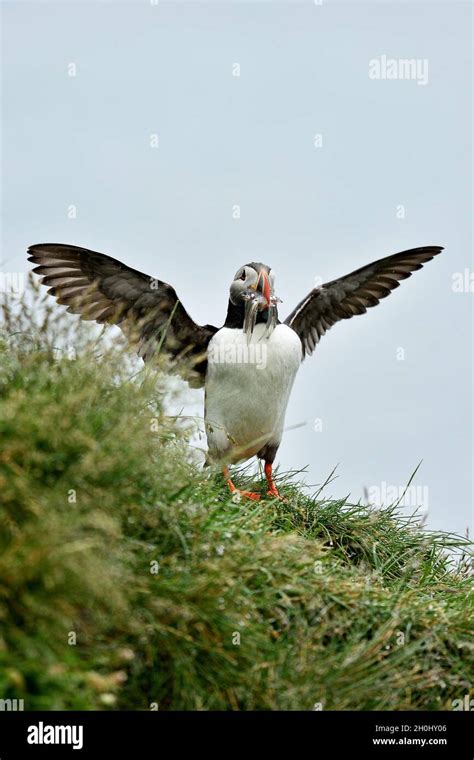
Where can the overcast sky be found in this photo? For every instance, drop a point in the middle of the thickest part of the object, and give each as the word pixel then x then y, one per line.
pixel 127 129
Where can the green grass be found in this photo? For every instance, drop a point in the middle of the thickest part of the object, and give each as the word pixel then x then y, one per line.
pixel 271 605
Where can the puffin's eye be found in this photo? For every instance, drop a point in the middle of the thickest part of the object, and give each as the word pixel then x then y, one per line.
pixel 243 275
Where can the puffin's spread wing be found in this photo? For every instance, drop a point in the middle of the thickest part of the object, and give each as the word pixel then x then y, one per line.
pixel 148 311
pixel 353 294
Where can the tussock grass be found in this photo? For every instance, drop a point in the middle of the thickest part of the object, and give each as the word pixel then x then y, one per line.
pixel 130 578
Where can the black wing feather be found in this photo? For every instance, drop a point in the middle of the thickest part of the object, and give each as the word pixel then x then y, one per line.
pixel 100 288
pixel 353 294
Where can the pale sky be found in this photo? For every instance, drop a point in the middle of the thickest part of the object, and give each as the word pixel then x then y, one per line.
pixel 391 170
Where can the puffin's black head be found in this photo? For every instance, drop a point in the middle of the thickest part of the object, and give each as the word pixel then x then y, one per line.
pixel 251 281
pixel 252 297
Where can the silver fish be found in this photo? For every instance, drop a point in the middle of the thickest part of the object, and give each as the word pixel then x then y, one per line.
pixel 253 304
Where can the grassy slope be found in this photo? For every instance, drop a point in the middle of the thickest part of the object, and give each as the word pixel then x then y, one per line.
pixel 334 603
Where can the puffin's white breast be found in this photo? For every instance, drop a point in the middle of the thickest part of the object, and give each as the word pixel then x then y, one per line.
pixel 247 389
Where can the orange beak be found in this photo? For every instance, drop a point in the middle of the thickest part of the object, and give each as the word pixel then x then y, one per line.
pixel 266 292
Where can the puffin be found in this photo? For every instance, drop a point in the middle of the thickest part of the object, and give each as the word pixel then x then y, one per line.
pixel 248 366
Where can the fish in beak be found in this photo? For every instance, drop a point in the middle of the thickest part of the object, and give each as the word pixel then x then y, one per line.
pixel 259 297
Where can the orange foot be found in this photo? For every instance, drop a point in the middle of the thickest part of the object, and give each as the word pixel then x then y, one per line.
pixel 246 494
pixel 272 489
pixel 233 489
pixel 273 492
